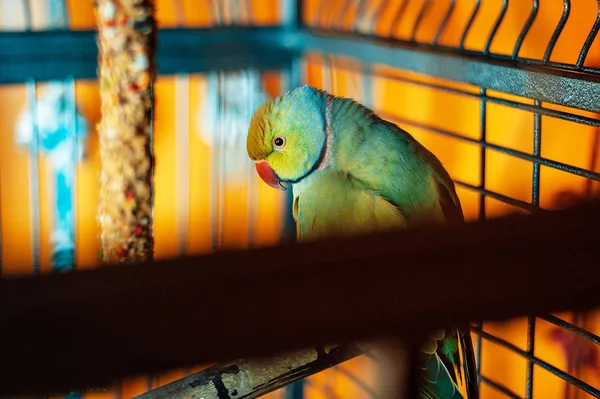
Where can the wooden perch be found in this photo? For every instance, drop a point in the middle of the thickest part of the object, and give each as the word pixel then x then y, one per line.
pixel 133 319
pixel 254 377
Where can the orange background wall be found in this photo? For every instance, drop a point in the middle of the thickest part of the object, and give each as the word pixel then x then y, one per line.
pixel 562 141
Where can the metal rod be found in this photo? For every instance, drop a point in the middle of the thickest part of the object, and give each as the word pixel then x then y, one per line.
pixel 559 28
pixel 571 328
pixel 422 12
pixel 482 150
pixel 589 40
pixel 534 11
pixel 182 159
pixel 565 88
pixel 559 373
pixel 222 153
pixel 537 143
pixel 478 358
pixel 530 351
pixel 398 17
pixel 66 15
pixel 440 30
pixel 497 24
pixel 34 177
pixel 518 154
pixel 28 15
pixel 72 101
pixel 563 243
pixel 499 197
pixel 509 103
pixel 251 77
pixel 499 387
pixel 213 84
pixel 463 37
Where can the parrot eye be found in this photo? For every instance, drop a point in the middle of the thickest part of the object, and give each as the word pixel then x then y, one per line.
pixel 278 142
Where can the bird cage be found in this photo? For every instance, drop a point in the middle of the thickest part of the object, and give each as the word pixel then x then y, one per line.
pixel 504 93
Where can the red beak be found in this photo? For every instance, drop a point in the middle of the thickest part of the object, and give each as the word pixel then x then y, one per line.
pixel 268 175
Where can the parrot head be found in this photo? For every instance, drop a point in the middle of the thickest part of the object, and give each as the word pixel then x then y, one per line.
pixel 287 136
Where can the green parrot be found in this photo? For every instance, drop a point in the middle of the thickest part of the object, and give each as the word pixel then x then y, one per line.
pixel 353 173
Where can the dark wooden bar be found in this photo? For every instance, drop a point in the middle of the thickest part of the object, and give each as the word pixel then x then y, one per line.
pixel 89 327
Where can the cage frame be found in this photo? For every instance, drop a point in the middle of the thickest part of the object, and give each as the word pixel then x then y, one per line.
pixel 280 47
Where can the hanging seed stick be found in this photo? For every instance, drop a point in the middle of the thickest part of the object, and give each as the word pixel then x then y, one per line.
pixel 126 41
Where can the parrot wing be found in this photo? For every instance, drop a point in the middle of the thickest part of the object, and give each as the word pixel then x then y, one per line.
pixel 455 352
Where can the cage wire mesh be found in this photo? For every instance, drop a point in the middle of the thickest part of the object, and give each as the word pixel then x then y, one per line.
pixel 491 143
pixel 506 149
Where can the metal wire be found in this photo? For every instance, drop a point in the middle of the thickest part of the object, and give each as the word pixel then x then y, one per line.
pixel 589 40
pixel 530 351
pixel 499 387
pixel 72 105
pixel 568 116
pixel 482 150
pixel 467 29
pixel 440 30
pixel 28 15
pixel 534 12
pixel 515 153
pixel 537 139
pixel 495 28
pixel 559 28
pixel 420 16
pixel 559 373
pixel 66 14
pixel 572 328
pixel 398 17
pixel 182 149
pixel 426 7
pixel 34 177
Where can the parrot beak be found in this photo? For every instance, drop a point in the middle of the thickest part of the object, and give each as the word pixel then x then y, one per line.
pixel 268 175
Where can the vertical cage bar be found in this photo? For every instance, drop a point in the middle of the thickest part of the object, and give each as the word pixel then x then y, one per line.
pixel 530 350
pixel 66 15
pixel 537 141
pixel 292 78
pixel 28 15
pixel 478 342
pixel 220 144
pixel 179 13
pixel 213 84
pixel 0 220
pixel 72 112
pixel 182 158
pixel 34 179
pixel 482 149
pixel 251 176
pixel 292 11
